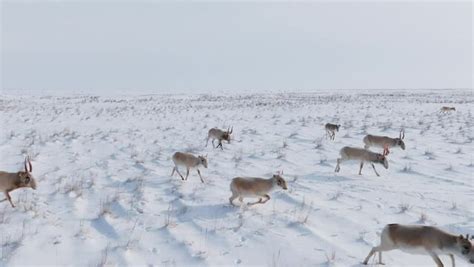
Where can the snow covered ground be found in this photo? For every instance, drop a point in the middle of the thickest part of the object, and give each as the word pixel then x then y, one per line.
pixel 105 195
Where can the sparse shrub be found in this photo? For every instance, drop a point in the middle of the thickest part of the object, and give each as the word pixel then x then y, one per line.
pixel 404 207
pixel 237 158
pixel 293 135
pixel 429 154
pixel 318 143
pixel 423 218
pixel 336 196
pixel 331 258
pixel 168 221
pixel 407 168
pixel 104 257
pixel 454 206
pixel 323 160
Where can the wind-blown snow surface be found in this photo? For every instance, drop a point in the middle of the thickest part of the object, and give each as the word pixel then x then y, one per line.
pixel 105 195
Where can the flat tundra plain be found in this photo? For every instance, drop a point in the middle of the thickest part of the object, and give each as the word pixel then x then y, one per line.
pixel 105 195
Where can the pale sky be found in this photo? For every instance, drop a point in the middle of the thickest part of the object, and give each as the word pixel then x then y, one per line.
pixel 183 46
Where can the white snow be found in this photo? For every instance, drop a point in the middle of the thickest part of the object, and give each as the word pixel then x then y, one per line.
pixel 105 195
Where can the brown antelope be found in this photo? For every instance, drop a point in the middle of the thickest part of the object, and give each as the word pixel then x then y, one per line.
pixel 189 161
pixel 384 142
pixel 12 181
pixel 447 109
pixel 331 130
pixel 362 155
pixel 419 239
pixel 220 135
pixel 255 187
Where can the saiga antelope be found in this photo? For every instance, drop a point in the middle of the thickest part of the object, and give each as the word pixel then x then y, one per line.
pixel 362 155
pixel 384 142
pixel 255 187
pixel 419 239
pixel 220 135
pixel 331 130
pixel 12 181
pixel 447 109
pixel 189 161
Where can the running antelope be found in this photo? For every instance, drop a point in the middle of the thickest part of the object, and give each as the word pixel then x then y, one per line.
pixel 362 155
pixel 447 109
pixel 220 135
pixel 385 142
pixel 419 239
pixel 12 181
pixel 189 161
pixel 331 130
pixel 255 187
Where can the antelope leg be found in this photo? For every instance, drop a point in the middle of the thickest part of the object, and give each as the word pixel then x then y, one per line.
pixel 360 169
pixel 231 199
pixel 182 178
pixel 373 166
pixel 9 198
pixel 199 172
pixel 174 169
pixel 337 166
pixel 452 260
pixel 436 258
pixel 267 198
pixel 256 202
pixel 372 251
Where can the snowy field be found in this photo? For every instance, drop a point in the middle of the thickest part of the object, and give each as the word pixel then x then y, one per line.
pixel 105 195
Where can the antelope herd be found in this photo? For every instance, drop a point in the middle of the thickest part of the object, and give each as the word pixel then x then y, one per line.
pixel 413 239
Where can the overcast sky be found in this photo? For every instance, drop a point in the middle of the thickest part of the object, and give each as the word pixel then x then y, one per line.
pixel 204 46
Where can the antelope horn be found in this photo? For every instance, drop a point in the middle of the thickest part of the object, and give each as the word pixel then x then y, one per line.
pixel 26 166
pixel 232 129
pixel 402 134
pixel 29 163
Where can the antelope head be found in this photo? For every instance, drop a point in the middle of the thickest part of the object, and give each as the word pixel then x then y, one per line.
pixel 226 135
pixel 26 178
pixel 279 180
pixel 382 160
pixel 203 160
pixel 465 248
pixel 399 140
